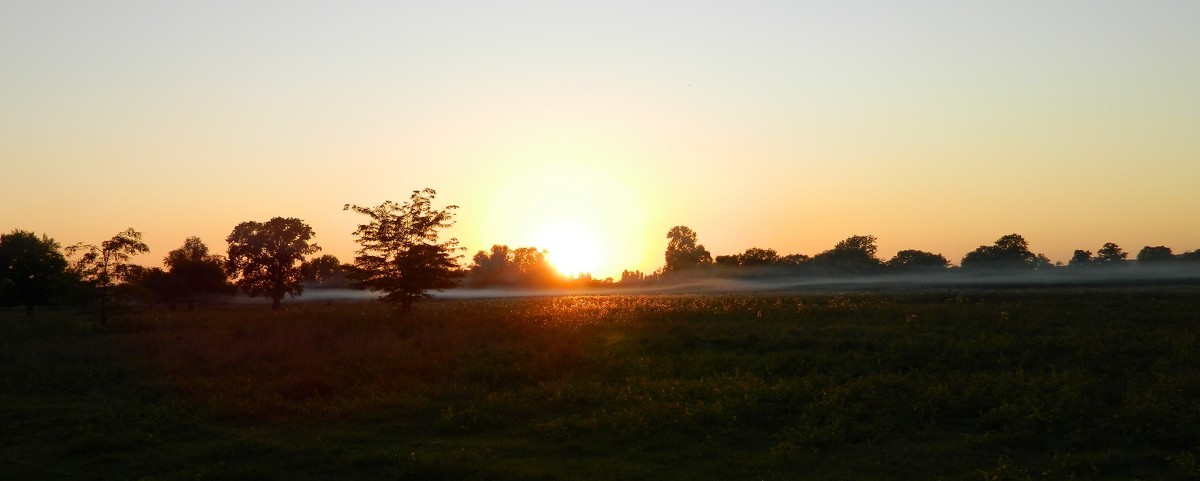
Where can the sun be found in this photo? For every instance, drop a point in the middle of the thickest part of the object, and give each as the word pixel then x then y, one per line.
pixel 571 249
pixel 588 220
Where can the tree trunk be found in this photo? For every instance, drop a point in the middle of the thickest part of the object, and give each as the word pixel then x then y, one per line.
pixel 275 303
pixel 104 305
pixel 29 309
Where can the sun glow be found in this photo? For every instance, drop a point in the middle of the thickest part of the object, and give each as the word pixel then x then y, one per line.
pixel 586 219
pixel 571 249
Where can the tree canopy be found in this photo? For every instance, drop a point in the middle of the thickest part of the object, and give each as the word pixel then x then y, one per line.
pixel 757 256
pixel 195 272
pixel 1155 255
pixel 265 257
pixel 1010 252
pixel 107 265
pixel 853 255
pixel 401 255
pixel 325 271
pixel 30 268
pixel 683 252
pixel 503 266
pixel 911 261
pixel 1081 258
pixel 1111 253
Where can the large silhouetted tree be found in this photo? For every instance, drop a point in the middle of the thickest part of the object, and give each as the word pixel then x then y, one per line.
pixel 794 260
pixel 523 266
pixel 1010 252
pixel 1081 258
pixel 157 285
pixel 757 256
pixel 401 255
pixel 1155 255
pixel 534 267
pixel 854 255
pixel 265 257
pixel 493 268
pixel 726 262
pixel 106 265
pixel 30 268
pixel 683 252
pixel 1111 253
pixel 629 277
pixel 194 271
pixel 911 260
pixel 325 271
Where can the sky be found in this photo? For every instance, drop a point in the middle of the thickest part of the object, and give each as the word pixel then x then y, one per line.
pixel 936 125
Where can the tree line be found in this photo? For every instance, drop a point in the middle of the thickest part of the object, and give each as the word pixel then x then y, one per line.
pixel 402 257
pixel 857 256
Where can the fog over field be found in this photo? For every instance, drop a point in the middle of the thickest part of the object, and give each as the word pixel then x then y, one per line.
pixel 1156 276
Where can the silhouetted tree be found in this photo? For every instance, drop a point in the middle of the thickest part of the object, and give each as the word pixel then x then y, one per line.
pixel 1081 258
pixel 1155 255
pixel 326 271
pixel 911 260
pixel 756 256
pixel 759 262
pixel 106 265
pixel 494 268
pixel 632 277
pixel 726 261
pixel 195 272
pixel 1010 252
pixel 683 252
pixel 523 266
pixel 534 267
pixel 859 243
pixel 794 260
pixel 853 255
pixel 154 285
pixel 265 257
pixel 31 268
pixel 1110 254
pixel 498 258
pixel 401 255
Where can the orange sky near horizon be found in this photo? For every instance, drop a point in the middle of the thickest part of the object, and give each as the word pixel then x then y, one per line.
pixel 932 125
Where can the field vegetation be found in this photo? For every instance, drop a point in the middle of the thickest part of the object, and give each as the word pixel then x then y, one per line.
pixel 922 384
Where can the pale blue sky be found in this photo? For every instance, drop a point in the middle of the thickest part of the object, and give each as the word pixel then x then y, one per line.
pixel 935 125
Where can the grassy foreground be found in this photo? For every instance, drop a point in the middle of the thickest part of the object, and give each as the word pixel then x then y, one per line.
pixel 1018 384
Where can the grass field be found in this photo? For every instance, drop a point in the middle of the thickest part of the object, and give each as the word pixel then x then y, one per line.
pixel 955 384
